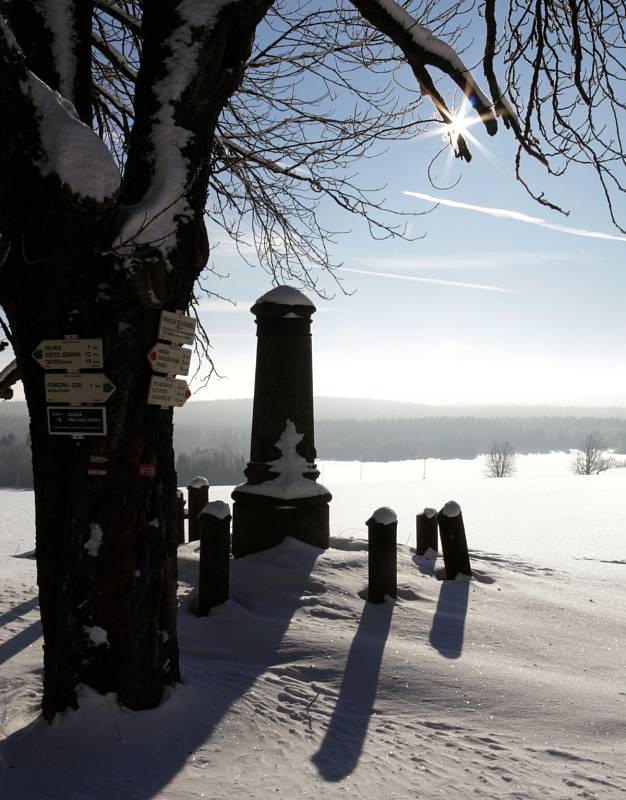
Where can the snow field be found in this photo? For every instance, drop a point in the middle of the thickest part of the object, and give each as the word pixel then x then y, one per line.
pixel 508 686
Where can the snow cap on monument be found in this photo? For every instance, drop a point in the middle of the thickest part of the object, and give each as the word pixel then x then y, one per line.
pixel 285 296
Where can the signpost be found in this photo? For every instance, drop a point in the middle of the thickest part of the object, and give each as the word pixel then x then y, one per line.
pixel 167 392
pixel 169 358
pixel 78 387
pixel 77 421
pixel 69 354
pixel 176 328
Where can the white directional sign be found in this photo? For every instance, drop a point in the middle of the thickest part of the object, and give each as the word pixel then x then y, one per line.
pixel 170 358
pixel 69 354
pixel 176 328
pixel 168 392
pixel 77 387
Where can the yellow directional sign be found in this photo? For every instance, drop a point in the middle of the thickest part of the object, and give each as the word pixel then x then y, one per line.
pixel 69 354
pixel 176 328
pixel 169 358
pixel 168 392
pixel 77 387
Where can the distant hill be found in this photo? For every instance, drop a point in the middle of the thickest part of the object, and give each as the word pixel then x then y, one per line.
pixel 239 410
pixel 217 432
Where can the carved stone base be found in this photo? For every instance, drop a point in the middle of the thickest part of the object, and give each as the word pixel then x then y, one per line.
pixel 261 522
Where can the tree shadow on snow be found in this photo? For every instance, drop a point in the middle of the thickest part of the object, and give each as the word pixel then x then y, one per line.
pixel 341 749
pixel 448 628
pixel 104 750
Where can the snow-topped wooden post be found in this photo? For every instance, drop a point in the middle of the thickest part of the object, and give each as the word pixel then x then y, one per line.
pixel 382 529
pixel 180 517
pixel 453 541
pixel 281 496
pixel 214 571
pixel 426 531
pixel 197 498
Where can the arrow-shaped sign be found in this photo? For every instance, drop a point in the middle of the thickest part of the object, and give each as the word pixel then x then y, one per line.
pixel 168 392
pixel 78 387
pixel 170 359
pixel 176 328
pixel 69 353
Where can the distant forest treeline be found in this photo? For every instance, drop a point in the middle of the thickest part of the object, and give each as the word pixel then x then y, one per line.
pixel 459 437
pixel 219 451
pixel 15 464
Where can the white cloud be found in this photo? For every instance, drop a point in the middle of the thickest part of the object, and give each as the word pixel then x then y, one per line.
pixel 482 259
pixel 517 216
pixel 437 281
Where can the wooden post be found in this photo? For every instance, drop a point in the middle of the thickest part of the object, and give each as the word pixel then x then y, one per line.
pixel 453 541
pixel 197 498
pixel 426 531
pixel 213 575
pixel 382 559
pixel 180 517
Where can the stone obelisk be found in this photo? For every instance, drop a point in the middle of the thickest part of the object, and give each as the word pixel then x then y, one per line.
pixel 281 496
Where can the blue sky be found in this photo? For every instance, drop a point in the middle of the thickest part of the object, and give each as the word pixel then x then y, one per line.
pixel 539 318
pixel 553 333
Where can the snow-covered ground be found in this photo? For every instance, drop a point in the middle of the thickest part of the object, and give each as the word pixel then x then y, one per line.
pixel 511 686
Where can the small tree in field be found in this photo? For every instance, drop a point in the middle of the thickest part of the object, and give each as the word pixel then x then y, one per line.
pixel 591 458
pixel 500 461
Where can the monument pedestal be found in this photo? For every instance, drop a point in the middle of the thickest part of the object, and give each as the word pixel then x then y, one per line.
pixel 262 522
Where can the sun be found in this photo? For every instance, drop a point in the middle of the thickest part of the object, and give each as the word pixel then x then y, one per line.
pixel 459 124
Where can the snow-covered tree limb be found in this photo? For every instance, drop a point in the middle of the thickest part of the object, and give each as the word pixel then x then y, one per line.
pixel 193 59
pixel 422 49
pixel 55 36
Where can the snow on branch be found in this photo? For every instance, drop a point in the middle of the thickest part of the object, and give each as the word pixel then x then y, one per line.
pixel 70 148
pixel 9 375
pixel 422 49
pixel 58 17
pixel 61 144
pixel 154 219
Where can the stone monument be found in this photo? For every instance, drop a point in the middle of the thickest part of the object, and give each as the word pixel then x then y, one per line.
pixel 281 496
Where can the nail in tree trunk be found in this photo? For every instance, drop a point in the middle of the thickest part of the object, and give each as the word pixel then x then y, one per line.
pixel 426 531
pixel 213 576
pixel 382 555
pixel 453 541
pixel 180 517
pixel 281 496
pixel 197 498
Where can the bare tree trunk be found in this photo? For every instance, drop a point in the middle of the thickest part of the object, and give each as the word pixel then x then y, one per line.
pixel 106 544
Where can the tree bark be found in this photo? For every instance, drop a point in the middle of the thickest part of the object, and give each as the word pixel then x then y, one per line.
pixel 124 583
pixel 106 543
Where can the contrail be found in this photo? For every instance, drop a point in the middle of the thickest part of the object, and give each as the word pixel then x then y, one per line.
pixel 516 215
pixel 460 284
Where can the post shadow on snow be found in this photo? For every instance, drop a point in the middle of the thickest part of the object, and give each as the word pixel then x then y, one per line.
pixel 448 628
pixel 19 641
pixel 341 749
pixel 425 565
pixel 181 723
pixel 19 611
